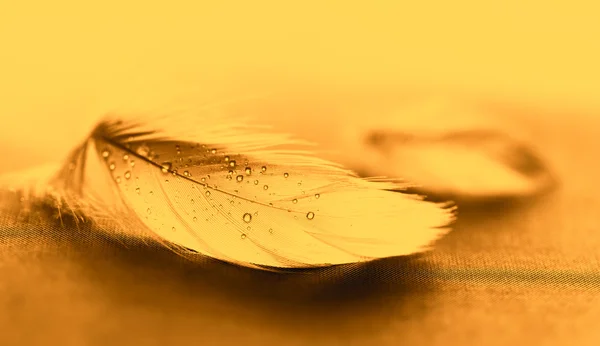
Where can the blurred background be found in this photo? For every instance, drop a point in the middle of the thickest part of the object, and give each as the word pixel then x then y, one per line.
pixel 64 63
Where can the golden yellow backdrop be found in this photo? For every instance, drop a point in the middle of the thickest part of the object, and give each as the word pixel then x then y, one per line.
pixel 63 62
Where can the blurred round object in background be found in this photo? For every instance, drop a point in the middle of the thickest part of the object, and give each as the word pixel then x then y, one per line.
pixel 452 149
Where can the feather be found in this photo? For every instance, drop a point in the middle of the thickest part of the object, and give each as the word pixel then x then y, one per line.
pixel 238 192
pixel 464 150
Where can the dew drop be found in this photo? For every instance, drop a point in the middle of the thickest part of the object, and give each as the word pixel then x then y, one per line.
pixel 213 151
pixel 232 163
pixel 105 153
pixel 243 236
pixel 239 178
pixel 266 187
pixel 263 169
pixel 295 201
pixel 143 150
pixel 127 175
pixel 248 228
pixel 195 219
pixel 248 170
pixel 132 163
pixel 166 167
pixel 285 175
pixel 118 179
pixel 151 192
pixel 192 201
pixel 207 193
pixel 173 229
pixel 137 190
pixel 247 218
pixel 317 196
pixel 112 166
pixel 125 157
pixel 166 180
pixel 203 180
pixel 226 158
pixel 310 215
pixel 256 182
pixel 149 211
pixel 271 230
pixel 186 173
pixel 299 183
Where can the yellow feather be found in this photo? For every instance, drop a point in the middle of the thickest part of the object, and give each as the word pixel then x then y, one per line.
pixel 215 185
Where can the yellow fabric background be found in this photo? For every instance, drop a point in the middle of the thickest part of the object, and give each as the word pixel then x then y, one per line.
pixel 510 273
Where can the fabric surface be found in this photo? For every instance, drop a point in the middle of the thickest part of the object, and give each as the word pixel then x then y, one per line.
pixel 512 272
